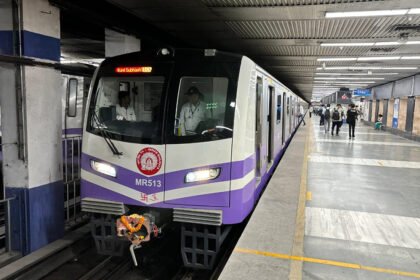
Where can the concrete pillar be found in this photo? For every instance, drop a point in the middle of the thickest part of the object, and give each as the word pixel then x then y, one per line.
pixel 34 177
pixel 117 43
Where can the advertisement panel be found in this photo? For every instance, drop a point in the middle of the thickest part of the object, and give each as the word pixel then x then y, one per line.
pixel 396 112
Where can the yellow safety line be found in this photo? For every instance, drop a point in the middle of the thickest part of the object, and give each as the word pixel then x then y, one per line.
pixel 328 262
pixel 308 196
pixel 295 272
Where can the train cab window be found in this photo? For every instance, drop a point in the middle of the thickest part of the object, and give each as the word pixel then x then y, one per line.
pixel 128 108
pixel 201 108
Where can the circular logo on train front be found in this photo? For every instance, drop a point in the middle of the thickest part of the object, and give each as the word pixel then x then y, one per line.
pixel 149 161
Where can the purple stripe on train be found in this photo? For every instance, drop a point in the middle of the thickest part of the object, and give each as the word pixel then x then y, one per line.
pixel 72 131
pixel 241 201
pixel 172 180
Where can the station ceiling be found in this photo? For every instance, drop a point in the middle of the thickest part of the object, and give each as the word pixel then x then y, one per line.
pixel 290 38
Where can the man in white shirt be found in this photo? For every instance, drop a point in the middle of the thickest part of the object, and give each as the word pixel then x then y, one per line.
pixel 192 113
pixel 123 109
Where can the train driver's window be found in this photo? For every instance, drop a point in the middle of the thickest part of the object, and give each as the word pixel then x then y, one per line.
pixel 201 106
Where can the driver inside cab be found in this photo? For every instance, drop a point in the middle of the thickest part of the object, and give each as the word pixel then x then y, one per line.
pixel 124 111
pixel 192 113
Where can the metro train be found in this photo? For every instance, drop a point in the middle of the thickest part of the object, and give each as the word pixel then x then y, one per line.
pixel 207 177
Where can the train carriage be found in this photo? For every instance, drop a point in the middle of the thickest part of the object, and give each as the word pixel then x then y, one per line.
pixel 145 150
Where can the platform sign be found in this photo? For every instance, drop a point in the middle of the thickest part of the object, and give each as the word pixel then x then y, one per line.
pixel 396 113
pixel 361 92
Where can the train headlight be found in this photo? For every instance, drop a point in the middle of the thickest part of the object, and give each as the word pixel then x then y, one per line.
pixel 103 168
pixel 202 175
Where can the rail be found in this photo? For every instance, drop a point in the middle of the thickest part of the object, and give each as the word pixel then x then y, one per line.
pixel 72 147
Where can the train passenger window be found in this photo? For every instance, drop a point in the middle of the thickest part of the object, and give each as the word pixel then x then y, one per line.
pixel 288 105
pixel 129 108
pixel 72 97
pixel 201 107
pixel 278 109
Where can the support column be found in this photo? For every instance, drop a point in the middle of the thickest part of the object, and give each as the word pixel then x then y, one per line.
pixel 31 119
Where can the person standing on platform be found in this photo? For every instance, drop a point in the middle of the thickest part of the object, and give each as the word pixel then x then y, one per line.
pixel 336 120
pixel 321 112
pixel 351 120
pixel 311 109
pixel 327 119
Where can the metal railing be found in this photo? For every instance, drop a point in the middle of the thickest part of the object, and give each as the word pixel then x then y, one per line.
pixel 5 224
pixel 72 151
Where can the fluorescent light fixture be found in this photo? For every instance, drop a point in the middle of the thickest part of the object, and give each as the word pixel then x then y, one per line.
pixel 365 68
pixel 368 58
pixel 377 13
pixel 370 44
pixel 355 74
pixel 387 43
pixel 410 57
pixel 337 59
pixel 414 11
pixel 344 82
pixel 346 44
pixel 103 168
pixel 347 78
pixel 202 175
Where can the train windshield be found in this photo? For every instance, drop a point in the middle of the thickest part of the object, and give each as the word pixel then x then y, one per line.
pixel 201 106
pixel 128 108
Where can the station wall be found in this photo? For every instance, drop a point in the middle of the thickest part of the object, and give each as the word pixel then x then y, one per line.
pixel 403 111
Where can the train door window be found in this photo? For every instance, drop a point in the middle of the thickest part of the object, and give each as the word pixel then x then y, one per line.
pixel 270 126
pixel 72 97
pixel 202 106
pixel 288 106
pixel 278 109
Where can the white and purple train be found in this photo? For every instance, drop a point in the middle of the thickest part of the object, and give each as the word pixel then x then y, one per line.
pixel 206 177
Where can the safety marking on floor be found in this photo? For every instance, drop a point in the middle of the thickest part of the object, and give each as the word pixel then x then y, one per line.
pixel 389 230
pixel 327 262
pixel 365 161
pixel 309 196
pixel 348 141
pixel 298 240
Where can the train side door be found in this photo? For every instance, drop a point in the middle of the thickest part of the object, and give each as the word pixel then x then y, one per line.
pixel 283 117
pixel 259 127
pixel 270 124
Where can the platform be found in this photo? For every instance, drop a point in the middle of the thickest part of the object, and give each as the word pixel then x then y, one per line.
pixel 339 209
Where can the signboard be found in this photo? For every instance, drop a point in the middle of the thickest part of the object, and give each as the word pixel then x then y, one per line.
pixel 361 92
pixel 396 112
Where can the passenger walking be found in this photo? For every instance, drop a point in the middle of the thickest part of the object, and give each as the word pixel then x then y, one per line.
pixel 311 109
pixel 336 120
pixel 321 113
pixel 378 123
pixel 351 120
pixel 327 119
pixel 342 116
pixel 302 114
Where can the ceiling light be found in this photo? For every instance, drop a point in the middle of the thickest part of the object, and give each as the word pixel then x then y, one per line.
pixel 369 44
pixel 337 59
pixel 414 11
pixel 368 58
pixel 346 44
pixel 347 78
pixel 398 12
pixel 355 74
pixel 344 82
pixel 410 57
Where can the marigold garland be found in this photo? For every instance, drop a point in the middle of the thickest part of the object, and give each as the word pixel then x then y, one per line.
pixel 128 225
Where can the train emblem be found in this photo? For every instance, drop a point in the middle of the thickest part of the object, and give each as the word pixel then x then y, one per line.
pixel 149 161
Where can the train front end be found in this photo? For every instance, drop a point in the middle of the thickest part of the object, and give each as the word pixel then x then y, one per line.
pixel 157 141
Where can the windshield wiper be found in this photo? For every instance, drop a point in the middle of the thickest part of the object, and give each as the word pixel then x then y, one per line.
pixel 105 135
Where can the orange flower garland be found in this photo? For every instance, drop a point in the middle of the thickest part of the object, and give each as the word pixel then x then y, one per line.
pixel 128 225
